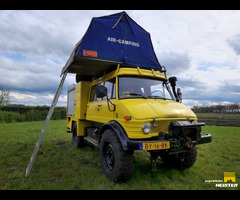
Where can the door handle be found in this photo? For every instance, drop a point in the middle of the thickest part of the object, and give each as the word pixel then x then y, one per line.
pixel 98 107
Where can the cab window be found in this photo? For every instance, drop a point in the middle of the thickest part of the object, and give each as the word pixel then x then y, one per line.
pixel 111 88
pixel 93 96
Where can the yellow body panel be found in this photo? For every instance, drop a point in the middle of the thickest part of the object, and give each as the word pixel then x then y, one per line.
pixel 131 72
pixel 160 111
pixel 81 125
pixel 141 72
pixel 156 108
pixel 146 110
pixel 98 111
pixel 81 99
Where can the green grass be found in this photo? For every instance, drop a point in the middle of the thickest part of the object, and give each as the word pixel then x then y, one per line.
pixel 59 165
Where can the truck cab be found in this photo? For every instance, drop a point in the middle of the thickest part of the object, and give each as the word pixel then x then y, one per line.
pixel 128 109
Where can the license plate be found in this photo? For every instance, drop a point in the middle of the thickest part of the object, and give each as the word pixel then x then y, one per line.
pixel 154 145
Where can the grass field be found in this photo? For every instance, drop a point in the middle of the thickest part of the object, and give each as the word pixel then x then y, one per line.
pixel 59 165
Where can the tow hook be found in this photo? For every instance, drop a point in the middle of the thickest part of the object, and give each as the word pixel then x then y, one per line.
pixel 153 158
pixel 189 143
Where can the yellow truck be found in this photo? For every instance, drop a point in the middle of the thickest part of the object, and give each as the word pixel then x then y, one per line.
pixel 123 100
pixel 130 109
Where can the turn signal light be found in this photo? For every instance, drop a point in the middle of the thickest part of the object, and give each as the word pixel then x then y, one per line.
pixel 127 117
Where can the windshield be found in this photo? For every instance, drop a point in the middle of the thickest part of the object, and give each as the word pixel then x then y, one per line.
pixel 135 87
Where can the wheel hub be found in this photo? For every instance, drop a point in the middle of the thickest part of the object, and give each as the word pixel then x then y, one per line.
pixel 109 156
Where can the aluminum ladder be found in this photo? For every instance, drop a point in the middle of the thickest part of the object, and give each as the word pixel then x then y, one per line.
pixel 49 115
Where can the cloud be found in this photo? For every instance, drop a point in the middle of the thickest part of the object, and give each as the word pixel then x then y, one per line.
pixel 233 88
pixel 32 82
pixel 30 98
pixel 234 42
pixel 29 76
pixel 192 90
pixel 33 50
pixel 201 48
pixel 199 93
pixel 174 62
pixel 35 40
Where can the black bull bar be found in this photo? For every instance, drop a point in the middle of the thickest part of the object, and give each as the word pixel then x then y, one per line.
pixel 191 129
pixel 177 131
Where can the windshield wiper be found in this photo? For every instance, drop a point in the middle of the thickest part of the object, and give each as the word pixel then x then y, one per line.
pixel 156 97
pixel 136 94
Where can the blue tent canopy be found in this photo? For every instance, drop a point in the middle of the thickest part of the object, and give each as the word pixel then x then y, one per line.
pixel 110 40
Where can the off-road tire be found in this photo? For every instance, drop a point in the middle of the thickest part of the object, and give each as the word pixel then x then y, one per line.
pixel 117 164
pixel 77 141
pixel 182 160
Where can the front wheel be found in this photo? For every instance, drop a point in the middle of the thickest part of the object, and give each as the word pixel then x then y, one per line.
pixel 117 164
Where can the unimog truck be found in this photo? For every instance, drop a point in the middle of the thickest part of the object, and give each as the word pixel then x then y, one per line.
pixel 123 100
pixel 133 109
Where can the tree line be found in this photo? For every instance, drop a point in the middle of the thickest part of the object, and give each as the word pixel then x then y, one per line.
pixel 21 113
pixel 220 108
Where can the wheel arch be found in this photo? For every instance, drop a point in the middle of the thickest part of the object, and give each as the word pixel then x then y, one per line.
pixel 118 130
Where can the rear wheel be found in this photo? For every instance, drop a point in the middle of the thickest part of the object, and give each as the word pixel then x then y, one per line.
pixel 117 164
pixel 77 141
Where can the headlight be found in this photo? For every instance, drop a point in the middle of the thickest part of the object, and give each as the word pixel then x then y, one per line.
pixel 146 127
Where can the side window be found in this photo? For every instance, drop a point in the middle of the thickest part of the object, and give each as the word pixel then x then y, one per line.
pixel 93 96
pixel 111 88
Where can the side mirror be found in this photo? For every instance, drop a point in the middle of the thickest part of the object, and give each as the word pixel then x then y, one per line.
pixel 101 91
pixel 179 93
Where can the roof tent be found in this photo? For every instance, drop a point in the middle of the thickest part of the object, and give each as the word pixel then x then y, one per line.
pixel 111 40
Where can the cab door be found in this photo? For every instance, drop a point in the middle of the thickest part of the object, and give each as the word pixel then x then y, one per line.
pixel 97 108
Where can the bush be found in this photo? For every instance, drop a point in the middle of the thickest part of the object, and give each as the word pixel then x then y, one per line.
pixel 59 113
pixel 20 113
pixel 9 117
pixel 35 115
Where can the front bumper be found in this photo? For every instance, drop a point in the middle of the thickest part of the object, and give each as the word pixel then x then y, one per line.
pixel 182 135
pixel 205 139
pixel 137 145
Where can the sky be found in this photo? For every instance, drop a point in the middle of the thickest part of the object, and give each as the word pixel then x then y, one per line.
pixel 200 47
